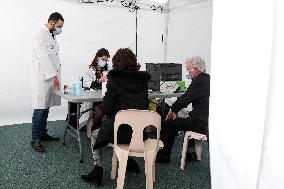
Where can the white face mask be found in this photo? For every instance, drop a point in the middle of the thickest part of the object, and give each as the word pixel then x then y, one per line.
pixel 188 76
pixel 102 63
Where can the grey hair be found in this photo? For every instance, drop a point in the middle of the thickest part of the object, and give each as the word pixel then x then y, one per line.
pixel 197 62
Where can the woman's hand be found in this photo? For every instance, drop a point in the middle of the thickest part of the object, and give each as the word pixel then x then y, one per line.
pixel 171 115
pixel 102 79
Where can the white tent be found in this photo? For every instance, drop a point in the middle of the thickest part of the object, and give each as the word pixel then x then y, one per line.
pixel 246 123
pixel 88 27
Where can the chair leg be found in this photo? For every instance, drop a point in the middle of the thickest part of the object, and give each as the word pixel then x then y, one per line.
pixel 149 161
pixel 122 157
pixel 154 170
pixel 145 169
pixel 114 166
pixel 198 149
pixel 183 153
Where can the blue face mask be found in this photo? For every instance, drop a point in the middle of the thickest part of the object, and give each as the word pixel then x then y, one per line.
pixel 102 63
pixel 57 31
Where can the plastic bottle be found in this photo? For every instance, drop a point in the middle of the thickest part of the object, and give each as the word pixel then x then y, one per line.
pixel 78 86
pixel 104 89
pixel 73 89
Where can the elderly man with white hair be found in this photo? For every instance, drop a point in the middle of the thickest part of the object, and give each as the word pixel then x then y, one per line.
pixel 197 93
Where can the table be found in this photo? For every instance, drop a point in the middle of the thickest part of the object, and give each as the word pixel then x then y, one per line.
pixel 163 96
pixel 96 96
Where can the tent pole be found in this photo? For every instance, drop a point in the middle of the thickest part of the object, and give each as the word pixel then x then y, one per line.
pixel 165 33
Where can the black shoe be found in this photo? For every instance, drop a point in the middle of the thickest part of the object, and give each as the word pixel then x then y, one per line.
pixel 191 156
pixel 36 145
pixel 95 176
pixel 47 137
pixel 132 166
pixel 163 159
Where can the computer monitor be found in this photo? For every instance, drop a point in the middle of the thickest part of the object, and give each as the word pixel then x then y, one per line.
pixel 171 72
pixel 163 72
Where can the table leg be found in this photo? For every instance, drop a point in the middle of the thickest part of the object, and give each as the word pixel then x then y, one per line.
pixel 78 132
pixel 68 120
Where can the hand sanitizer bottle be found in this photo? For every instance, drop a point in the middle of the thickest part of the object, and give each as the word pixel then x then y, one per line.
pixel 78 86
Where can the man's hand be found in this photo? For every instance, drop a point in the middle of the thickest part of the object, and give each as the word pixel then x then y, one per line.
pixel 171 115
pixel 55 83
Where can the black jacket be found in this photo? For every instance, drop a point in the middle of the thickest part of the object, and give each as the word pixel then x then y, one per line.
pixel 125 90
pixel 197 93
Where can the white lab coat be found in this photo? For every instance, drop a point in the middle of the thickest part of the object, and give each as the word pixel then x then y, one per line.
pixel 89 77
pixel 45 65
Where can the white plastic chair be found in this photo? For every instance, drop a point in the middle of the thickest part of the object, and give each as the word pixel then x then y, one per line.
pixel 138 120
pixel 198 145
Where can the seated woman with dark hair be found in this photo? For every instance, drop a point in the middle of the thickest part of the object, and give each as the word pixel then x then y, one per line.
pixel 93 78
pixel 127 88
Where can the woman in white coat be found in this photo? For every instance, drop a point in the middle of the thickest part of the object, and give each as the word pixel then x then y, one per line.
pixel 94 77
pixel 46 70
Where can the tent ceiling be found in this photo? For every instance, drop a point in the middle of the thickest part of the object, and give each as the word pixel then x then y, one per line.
pixel 132 5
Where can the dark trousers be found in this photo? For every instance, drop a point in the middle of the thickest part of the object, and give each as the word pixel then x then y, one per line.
pixel 97 115
pixel 170 129
pixel 39 122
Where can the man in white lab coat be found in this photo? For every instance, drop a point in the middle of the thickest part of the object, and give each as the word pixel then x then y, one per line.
pixel 46 70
